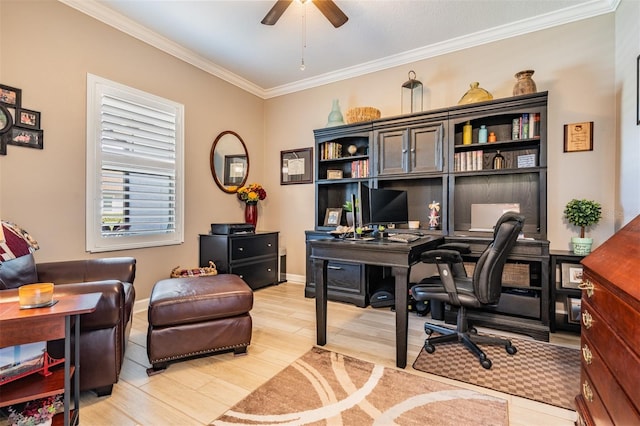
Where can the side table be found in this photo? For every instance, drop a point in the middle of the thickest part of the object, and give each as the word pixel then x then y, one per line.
pixel 21 326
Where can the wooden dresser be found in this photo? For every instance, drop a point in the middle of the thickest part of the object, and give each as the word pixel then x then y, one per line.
pixel 610 340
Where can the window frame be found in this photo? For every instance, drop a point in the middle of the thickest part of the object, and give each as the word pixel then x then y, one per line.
pixel 97 87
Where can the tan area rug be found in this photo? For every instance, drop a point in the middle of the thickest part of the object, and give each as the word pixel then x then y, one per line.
pixel 322 388
pixel 539 371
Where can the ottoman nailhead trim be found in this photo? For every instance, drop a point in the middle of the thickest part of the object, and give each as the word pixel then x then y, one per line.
pixel 204 351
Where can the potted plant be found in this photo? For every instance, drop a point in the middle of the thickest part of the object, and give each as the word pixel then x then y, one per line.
pixel 349 210
pixel 582 213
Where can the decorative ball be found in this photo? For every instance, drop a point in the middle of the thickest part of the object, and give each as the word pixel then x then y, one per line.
pixel 352 149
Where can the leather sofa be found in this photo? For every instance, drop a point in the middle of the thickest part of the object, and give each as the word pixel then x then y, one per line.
pixel 103 333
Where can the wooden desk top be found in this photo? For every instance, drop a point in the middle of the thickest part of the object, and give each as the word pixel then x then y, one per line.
pixel 67 305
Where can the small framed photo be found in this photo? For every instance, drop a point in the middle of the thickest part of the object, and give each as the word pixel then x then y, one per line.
pixel 10 96
pixel 334 174
pixel 6 120
pixel 571 275
pixel 578 137
pixel 30 138
pixel 3 145
pixel 235 169
pixel 332 217
pixel 296 166
pixel 573 310
pixel 28 118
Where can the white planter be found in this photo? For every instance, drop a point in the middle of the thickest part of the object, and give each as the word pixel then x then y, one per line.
pixel 581 246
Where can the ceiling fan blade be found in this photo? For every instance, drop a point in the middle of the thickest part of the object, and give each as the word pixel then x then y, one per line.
pixel 276 12
pixel 332 12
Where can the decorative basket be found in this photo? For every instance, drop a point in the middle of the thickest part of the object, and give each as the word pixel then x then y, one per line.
pixel 361 114
pixel 197 272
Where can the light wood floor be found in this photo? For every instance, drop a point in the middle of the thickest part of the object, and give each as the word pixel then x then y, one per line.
pixel 196 392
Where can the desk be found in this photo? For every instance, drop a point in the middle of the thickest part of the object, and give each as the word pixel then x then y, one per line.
pixel 20 326
pixel 399 256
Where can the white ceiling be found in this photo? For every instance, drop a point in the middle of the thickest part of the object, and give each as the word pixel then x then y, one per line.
pixel 227 39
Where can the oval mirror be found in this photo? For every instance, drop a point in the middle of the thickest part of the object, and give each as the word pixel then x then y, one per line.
pixel 229 161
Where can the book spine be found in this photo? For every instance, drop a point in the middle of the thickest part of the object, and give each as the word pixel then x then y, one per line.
pixel 525 126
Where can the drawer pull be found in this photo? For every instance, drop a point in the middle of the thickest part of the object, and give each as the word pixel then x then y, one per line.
pixel 588 286
pixel 587 392
pixel 586 354
pixel 587 319
pixel 240 249
pixel 335 268
pixel 269 269
pixel 269 245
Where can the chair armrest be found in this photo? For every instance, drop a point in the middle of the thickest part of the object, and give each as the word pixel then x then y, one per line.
pixel 461 248
pixel 110 306
pixel 75 271
pixel 441 256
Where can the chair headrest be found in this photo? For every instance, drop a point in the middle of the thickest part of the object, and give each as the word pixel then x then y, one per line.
pixel 508 217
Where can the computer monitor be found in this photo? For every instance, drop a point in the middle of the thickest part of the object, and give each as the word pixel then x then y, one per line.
pixel 384 206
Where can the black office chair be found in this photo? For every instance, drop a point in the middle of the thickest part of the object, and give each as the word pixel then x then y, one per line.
pixel 482 290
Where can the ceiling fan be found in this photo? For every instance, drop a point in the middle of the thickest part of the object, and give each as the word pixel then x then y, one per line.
pixel 328 8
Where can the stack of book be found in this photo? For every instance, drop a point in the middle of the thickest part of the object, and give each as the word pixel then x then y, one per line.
pixel 467 161
pixel 331 150
pixel 360 169
pixel 527 126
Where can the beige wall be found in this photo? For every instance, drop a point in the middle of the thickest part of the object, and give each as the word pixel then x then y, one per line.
pixel 49 59
pixel 47 50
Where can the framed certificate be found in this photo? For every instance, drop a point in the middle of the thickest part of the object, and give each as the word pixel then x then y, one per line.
pixel 578 137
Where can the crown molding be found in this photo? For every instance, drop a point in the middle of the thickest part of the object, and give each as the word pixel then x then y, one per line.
pixel 132 28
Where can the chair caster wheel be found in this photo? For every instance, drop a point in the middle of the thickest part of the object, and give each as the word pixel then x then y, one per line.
pixel 473 330
pixel 486 363
pixel 511 350
pixel 429 348
pixel 427 330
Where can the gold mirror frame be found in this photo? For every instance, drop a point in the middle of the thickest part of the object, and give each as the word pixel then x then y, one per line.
pixel 229 161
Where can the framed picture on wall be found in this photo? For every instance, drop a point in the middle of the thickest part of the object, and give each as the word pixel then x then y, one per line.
pixel 296 166
pixel 30 138
pixel 10 96
pixel 28 118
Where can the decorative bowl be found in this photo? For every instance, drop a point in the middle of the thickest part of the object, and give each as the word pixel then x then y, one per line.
pixel 362 114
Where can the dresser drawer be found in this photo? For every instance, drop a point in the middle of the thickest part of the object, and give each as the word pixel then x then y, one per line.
pixel 253 246
pixel 590 397
pixel 614 364
pixel 258 274
pixel 627 319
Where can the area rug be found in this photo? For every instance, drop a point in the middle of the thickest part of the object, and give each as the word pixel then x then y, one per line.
pixel 326 388
pixel 539 371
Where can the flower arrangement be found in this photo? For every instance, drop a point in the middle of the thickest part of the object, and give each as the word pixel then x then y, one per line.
pixel 251 194
pixel 36 412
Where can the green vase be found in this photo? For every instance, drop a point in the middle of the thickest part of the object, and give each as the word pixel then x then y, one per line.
pixel 335 116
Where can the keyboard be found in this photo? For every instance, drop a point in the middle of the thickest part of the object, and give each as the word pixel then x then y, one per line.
pixel 403 238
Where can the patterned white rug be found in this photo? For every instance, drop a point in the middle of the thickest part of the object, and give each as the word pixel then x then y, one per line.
pixel 324 387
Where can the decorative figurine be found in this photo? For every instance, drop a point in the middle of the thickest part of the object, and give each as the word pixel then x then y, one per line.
pixel 434 208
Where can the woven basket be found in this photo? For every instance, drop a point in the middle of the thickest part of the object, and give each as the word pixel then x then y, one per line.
pixel 361 114
pixel 197 272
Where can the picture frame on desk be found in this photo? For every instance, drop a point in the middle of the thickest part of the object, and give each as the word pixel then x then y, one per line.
pixel 571 275
pixel 573 310
pixel 332 217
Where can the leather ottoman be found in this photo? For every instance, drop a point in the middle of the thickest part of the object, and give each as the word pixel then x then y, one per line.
pixel 197 315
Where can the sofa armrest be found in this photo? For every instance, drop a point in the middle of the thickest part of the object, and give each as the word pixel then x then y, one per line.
pixel 109 310
pixel 74 271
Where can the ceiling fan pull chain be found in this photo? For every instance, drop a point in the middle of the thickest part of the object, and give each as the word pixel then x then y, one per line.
pixel 304 34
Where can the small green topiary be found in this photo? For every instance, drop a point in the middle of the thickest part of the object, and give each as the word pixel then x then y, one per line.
pixel 583 213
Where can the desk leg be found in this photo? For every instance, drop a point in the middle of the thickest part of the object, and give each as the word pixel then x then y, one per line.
pixel 402 315
pixel 76 376
pixel 320 278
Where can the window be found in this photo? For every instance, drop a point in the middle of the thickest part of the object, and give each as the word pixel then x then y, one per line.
pixel 135 186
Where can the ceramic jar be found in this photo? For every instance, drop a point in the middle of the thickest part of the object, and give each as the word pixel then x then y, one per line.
pixel 525 84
